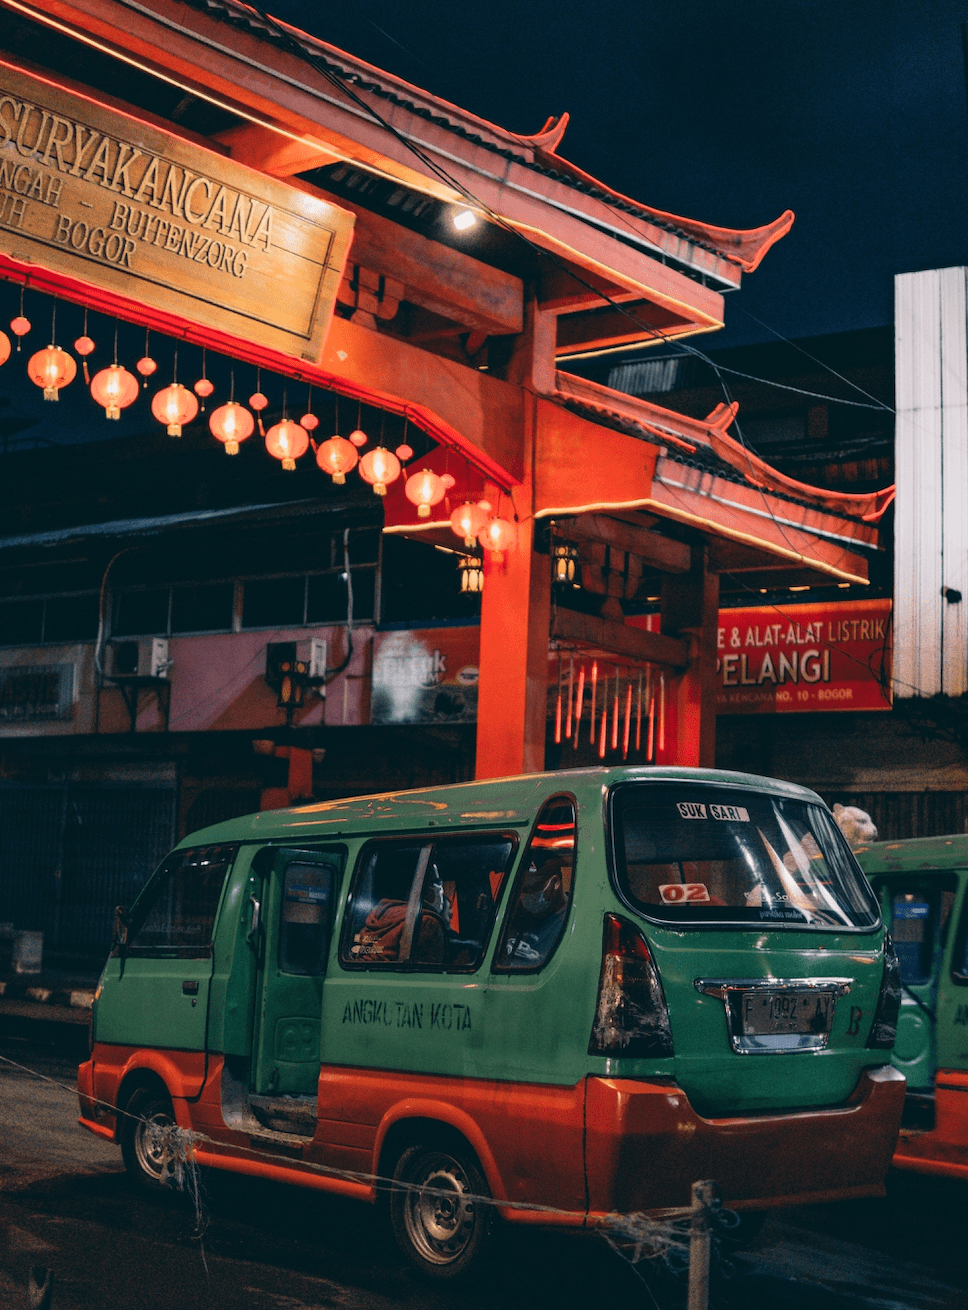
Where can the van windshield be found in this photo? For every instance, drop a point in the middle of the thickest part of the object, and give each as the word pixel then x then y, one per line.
pixel 691 853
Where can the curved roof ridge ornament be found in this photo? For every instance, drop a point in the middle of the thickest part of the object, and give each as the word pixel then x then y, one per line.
pixel 549 138
pixel 745 247
pixel 868 506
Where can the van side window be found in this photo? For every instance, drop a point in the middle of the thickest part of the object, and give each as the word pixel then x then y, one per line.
pixel 307 916
pixel 537 917
pixel 918 925
pixel 175 915
pixel 428 906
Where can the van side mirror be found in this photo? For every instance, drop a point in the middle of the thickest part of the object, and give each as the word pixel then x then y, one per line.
pixel 119 934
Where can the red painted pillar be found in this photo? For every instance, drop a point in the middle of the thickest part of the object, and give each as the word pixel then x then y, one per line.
pixel 690 609
pixel 516 602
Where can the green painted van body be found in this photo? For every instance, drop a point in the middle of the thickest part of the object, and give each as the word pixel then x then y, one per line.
pixel 520 1027
pixel 922 886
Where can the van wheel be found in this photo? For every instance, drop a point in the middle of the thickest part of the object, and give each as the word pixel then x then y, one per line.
pixel 438 1222
pixel 148 1114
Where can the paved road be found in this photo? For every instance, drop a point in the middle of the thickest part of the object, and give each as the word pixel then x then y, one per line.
pixel 64 1204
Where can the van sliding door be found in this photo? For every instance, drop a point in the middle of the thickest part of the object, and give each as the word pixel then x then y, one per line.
pixel 297 916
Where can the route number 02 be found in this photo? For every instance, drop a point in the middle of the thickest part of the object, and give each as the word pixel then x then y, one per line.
pixel 675 892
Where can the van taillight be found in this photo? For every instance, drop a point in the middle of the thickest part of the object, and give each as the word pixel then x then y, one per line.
pixel 632 1018
pixel 884 1028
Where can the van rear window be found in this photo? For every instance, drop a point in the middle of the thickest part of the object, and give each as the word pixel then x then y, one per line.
pixel 689 853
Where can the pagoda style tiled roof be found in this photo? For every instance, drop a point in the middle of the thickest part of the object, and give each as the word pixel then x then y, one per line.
pixel 538 152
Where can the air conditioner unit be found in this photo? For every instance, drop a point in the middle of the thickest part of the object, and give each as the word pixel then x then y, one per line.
pixel 145 658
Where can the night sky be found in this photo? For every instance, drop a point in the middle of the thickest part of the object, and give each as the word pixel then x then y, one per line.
pixel 852 113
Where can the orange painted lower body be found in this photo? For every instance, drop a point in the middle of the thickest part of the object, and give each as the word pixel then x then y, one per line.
pixel 944 1150
pixel 646 1146
pixel 600 1147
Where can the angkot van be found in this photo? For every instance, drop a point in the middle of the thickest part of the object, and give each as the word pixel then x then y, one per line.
pixel 543 999
pixel 922 885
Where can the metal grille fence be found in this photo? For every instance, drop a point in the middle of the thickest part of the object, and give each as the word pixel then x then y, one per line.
pixel 72 852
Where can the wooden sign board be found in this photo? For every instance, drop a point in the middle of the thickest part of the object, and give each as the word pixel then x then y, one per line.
pixel 97 195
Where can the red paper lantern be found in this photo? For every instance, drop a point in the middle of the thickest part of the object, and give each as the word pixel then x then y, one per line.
pixel 467 521
pixel 359 438
pixel 231 423
pixel 497 536
pixel 174 406
pixel 310 422
pixel 424 489
pixel 4 347
pixel 404 452
pixel 84 346
pixel 19 326
pixel 448 480
pixel 378 467
pixel 258 401
pixel 114 388
pixel 286 441
pixel 337 457
pixel 204 388
pixel 51 368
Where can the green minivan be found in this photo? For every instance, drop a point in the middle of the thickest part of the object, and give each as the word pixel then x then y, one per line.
pixel 547 999
pixel 922 885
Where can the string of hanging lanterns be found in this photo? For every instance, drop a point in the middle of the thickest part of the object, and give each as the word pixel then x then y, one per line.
pixel 115 389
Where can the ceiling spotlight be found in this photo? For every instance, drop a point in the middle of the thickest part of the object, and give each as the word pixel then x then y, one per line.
pixel 464 219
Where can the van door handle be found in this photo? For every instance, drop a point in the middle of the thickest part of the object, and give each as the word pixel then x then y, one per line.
pixel 250 936
pixel 190 987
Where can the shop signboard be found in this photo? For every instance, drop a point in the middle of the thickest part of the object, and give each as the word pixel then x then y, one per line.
pixel 426 675
pixel 94 194
pixel 816 656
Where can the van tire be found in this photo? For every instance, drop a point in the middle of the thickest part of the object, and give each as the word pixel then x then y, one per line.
pixel 443 1238
pixel 148 1110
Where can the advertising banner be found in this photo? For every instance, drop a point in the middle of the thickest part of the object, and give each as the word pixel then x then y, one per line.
pixel 818 656
pixel 425 675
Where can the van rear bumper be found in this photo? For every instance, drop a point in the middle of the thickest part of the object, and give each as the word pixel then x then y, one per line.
pixel 646 1146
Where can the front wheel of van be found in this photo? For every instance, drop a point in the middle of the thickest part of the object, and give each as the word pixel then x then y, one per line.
pixel 440 1208
pixel 148 1116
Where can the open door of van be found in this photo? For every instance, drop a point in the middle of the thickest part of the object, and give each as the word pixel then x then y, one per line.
pixel 297 910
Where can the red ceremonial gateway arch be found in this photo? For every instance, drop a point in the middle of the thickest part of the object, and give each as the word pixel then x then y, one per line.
pixel 213 174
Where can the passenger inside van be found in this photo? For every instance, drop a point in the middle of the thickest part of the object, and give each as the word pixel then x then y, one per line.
pixel 539 913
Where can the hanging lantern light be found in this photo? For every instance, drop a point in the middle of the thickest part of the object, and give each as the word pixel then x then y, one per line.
pixel 203 387
pixel 448 480
pixel 337 457
pixel 115 389
pixel 565 565
pixel 467 521
pixel 359 438
pixel 309 421
pixel 145 365
pixel 258 402
pixel 84 347
pixel 286 441
pixel 404 452
pixel 471 575
pixel 19 326
pixel 174 406
pixel 230 424
pixel 51 369
pixel 378 467
pixel 497 536
pixel 424 489
pixel 4 347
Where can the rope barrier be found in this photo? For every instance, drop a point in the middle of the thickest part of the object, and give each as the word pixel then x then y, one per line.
pixel 636 1237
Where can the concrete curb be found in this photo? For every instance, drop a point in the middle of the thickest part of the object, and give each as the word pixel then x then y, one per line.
pixel 33 998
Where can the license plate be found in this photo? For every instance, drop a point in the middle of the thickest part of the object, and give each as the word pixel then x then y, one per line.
pixel 768 1013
